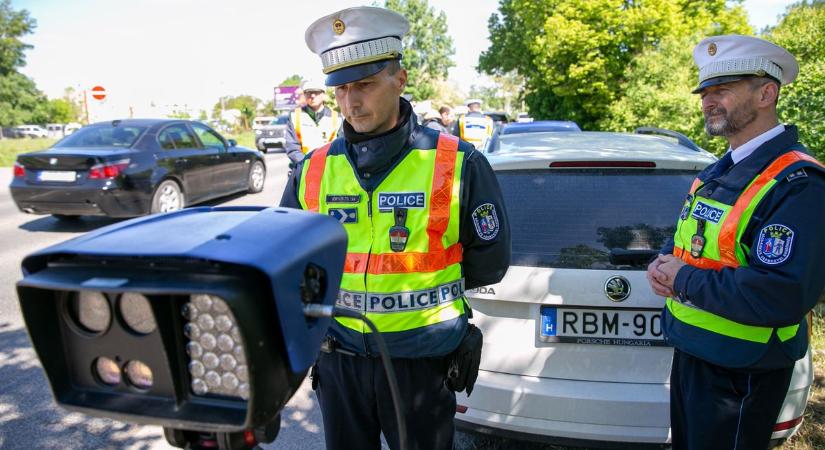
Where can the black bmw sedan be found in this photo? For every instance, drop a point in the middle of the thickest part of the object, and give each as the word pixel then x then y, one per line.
pixel 128 168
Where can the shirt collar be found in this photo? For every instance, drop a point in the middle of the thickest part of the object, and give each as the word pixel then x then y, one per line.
pixel 740 175
pixel 324 111
pixel 745 150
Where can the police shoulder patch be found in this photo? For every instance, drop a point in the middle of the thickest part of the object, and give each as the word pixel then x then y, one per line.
pixel 774 244
pixel 485 221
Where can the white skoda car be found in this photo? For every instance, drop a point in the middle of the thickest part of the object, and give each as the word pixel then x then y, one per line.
pixel 573 347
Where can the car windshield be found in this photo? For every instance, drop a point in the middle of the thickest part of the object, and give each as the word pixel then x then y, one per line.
pixel 281 120
pixel 103 136
pixel 573 218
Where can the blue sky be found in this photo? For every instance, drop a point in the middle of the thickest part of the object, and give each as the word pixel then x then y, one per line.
pixel 189 52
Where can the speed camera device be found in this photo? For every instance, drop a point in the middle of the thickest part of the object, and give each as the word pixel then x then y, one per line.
pixel 192 320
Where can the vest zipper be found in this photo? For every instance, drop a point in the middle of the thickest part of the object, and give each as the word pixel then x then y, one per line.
pixel 366 272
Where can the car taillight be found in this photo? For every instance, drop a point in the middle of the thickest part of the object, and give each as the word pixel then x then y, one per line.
pixel 108 170
pixel 19 171
pixel 782 426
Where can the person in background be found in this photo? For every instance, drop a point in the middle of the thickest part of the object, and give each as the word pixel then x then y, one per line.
pixel 444 122
pixel 312 125
pixel 474 127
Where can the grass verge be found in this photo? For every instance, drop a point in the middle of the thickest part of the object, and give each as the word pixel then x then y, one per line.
pixel 10 148
pixel 245 139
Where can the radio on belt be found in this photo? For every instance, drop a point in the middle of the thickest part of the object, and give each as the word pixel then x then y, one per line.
pixel 192 320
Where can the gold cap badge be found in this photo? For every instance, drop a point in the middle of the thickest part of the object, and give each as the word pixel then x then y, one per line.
pixel 711 48
pixel 338 26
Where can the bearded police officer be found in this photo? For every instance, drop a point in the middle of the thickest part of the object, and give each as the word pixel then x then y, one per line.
pixel 425 220
pixel 312 125
pixel 745 267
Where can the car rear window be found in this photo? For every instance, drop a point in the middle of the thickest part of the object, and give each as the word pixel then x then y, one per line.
pixel 280 120
pixel 572 218
pixel 103 136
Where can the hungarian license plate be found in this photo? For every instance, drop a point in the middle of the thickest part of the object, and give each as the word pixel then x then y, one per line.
pixel 57 175
pixel 642 327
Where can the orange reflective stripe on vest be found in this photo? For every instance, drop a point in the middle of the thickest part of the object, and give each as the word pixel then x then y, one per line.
pixel 407 262
pixel 315 172
pixel 437 258
pixel 442 190
pixel 727 235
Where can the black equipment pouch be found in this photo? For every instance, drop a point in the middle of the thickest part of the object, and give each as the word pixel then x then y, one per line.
pixel 462 370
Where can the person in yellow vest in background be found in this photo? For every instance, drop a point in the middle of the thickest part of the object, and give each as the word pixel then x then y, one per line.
pixel 426 221
pixel 746 263
pixel 474 127
pixel 312 125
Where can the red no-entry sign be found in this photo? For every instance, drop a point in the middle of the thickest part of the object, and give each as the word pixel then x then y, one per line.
pixel 98 93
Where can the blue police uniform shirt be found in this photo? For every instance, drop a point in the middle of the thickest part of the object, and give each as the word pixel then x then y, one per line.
pixel 768 293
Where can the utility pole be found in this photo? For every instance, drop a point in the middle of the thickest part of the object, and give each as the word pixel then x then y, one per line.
pixel 86 106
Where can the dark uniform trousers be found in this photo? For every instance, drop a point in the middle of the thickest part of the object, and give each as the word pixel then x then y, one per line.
pixel 712 407
pixel 357 406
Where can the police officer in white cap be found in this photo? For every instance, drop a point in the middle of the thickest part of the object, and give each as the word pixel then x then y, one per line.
pixel 746 263
pixel 474 127
pixel 311 125
pixel 425 220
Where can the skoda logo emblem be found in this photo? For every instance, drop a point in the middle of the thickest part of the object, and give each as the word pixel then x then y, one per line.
pixel 617 288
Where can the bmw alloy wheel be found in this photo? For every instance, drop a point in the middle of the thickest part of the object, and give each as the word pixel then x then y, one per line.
pixel 257 176
pixel 168 197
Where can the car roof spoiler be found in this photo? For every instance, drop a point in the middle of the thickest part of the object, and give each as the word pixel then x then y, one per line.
pixel 683 140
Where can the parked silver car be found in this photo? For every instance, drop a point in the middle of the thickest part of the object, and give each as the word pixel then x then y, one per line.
pixel 573 347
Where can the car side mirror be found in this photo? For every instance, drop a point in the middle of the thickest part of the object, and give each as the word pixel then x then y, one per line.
pixel 232 142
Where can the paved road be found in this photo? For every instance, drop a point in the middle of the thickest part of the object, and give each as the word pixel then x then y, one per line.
pixel 29 419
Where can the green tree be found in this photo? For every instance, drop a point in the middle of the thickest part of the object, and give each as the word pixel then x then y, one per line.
pixel 657 83
pixel 802 32
pixel 13 26
pixel 505 94
pixel 656 91
pixel 428 47
pixel 60 111
pixel 447 93
pixel 20 101
pixel 73 98
pixel 573 54
pixel 246 104
pixel 292 80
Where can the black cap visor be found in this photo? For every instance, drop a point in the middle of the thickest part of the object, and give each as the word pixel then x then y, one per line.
pixel 726 79
pixel 355 73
